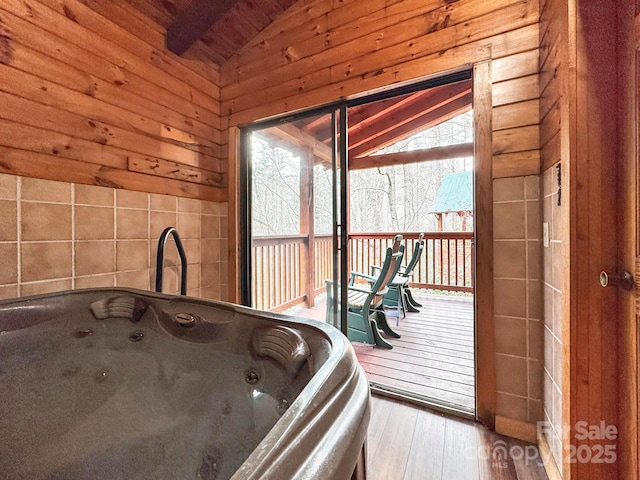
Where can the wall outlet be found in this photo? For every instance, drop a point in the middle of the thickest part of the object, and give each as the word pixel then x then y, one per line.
pixel 545 234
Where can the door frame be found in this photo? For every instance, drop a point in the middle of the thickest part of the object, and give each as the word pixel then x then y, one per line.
pixel 483 223
pixel 628 26
pixel 483 228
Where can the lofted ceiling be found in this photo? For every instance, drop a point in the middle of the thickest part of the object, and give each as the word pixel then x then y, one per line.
pixel 224 26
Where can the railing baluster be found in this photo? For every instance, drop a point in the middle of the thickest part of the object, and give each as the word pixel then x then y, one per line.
pixel 432 278
pixel 288 270
pixel 254 269
pixel 277 282
pixel 276 275
pixel 459 262
pixel 449 264
pixel 464 263
pixel 272 274
pixel 456 262
pixel 296 285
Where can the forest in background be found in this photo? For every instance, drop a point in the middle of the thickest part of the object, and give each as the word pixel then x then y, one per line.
pixel 385 199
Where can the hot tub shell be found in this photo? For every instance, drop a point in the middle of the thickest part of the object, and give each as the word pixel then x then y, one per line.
pixel 317 385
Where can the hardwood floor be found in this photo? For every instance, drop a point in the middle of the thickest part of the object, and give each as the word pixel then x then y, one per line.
pixel 408 442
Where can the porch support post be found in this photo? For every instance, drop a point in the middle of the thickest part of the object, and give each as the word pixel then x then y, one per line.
pixel 483 226
pixel 307 255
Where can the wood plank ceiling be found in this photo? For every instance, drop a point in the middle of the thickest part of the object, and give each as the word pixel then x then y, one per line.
pixel 373 126
pixel 226 25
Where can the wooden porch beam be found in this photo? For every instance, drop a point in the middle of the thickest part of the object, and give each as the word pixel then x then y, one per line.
pixel 301 140
pixel 402 131
pixel 191 24
pixel 369 131
pixel 363 115
pixel 307 227
pixel 414 156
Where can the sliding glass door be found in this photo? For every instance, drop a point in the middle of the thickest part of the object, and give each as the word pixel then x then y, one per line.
pixel 410 172
pixel 294 206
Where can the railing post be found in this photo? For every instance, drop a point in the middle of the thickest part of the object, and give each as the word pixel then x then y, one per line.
pixel 307 257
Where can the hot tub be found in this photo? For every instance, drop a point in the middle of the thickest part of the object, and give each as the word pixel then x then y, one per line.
pixel 128 384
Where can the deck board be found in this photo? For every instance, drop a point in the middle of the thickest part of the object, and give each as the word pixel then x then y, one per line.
pixel 434 358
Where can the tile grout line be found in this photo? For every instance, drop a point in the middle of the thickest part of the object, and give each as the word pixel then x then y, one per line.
pixel 19 235
pixel 527 267
pixel 148 274
pixel 526 300
pixel 73 236
pixel 114 206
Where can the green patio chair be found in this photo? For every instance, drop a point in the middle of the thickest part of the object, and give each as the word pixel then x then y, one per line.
pixel 411 304
pixel 366 320
pixel 399 294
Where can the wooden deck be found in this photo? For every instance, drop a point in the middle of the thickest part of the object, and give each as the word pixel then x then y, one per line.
pixel 434 358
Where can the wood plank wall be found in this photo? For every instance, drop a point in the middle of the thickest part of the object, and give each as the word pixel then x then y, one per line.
pixel 578 107
pixel 89 94
pixel 320 51
pixel 342 49
pixel 628 238
pixel 554 148
pixel 553 77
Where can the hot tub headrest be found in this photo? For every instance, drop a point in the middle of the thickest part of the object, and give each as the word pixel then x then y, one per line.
pixel 283 344
pixel 125 306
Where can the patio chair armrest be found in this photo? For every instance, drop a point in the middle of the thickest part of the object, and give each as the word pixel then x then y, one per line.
pixel 369 278
pixel 375 268
pixel 359 289
pixel 402 271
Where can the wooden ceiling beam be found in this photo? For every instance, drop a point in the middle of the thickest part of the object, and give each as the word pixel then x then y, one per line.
pixel 378 113
pixel 292 136
pixel 319 128
pixel 414 156
pixel 362 115
pixel 431 100
pixel 191 24
pixel 404 130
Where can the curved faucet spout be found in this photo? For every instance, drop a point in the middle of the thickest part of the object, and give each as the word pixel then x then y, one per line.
pixel 162 241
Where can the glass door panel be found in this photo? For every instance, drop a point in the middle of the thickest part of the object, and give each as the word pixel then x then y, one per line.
pixel 292 216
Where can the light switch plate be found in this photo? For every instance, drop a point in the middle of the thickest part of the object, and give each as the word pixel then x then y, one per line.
pixel 545 234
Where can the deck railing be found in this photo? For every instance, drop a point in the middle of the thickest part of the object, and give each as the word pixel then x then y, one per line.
pixel 445 264
pixel 282 265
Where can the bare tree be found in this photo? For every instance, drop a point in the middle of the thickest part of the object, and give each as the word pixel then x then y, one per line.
pixel 408 191
pixel 386 199
pixel 275 190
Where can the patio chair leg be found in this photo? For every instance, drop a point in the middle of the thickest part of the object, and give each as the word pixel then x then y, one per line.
pixel 381 321
pixel 380 342
pixel 410 307
pixel 405 303
pixel 412 301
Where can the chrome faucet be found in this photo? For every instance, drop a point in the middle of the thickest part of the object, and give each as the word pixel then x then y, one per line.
pixel 162 241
